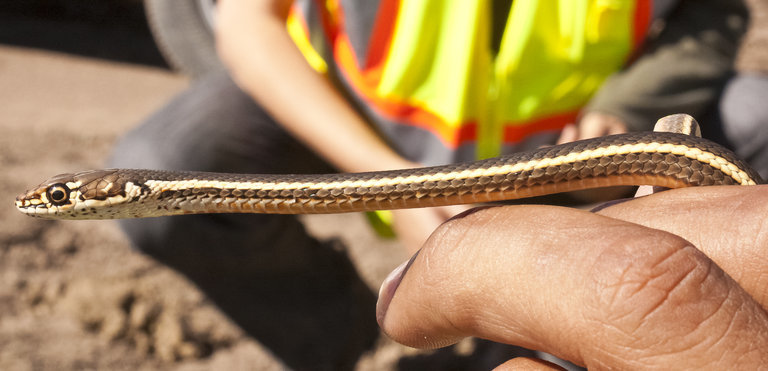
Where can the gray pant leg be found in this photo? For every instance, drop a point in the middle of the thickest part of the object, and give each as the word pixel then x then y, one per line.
pixel 300 298
pixel 744 115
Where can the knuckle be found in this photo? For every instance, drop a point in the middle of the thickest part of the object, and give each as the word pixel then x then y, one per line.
pixel 664 291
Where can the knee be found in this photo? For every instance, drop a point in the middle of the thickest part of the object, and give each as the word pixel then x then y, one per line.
pixel 742 108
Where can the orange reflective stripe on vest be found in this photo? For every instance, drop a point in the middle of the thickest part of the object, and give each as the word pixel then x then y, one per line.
pixel 428 64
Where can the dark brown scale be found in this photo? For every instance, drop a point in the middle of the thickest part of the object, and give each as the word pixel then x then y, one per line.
pixel 572 174
pixel 434 192
pixel 537 173
pixel 381 197
pixel 506 185
pixel 649 164
pixel 672 169
pixel 592 163
pixel 624 168
pixel 483 180
pixel 552 170
pixel 696 177
pixel 685 172
pixel 697 166
pixel 605 161
pixel 598 170
pixel 402 187
pixel 648 167
pixel 585 172
pixel 408 193
pixel 559 174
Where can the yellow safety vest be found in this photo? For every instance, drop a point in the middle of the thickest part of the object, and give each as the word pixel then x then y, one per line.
pixel 425 73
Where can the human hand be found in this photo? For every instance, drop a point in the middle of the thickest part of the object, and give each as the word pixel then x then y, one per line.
pixel 413 226
pixel 674 279
pixel 592 125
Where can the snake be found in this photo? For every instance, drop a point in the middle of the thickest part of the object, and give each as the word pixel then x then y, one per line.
pixel 674 157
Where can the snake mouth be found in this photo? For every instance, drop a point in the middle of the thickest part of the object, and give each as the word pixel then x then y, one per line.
pixel 31 206
pixel 35 203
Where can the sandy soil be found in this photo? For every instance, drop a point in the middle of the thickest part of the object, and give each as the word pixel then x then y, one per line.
pixel 73 295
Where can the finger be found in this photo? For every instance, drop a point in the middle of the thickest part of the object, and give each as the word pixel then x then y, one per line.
pixel 413 226
pixel 569 134
pixel 617 127
pixel 524 363
pixel 590 289
pixel 648 190
pixel 596 124
pixel 726 223
pixel 591 129
pixel 447 212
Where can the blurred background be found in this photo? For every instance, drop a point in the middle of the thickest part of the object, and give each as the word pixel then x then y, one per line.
pixel 74 75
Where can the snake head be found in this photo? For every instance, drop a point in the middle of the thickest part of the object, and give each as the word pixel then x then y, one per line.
pixel 69 196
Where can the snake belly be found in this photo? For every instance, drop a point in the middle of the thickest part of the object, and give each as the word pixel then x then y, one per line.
pixel 651 158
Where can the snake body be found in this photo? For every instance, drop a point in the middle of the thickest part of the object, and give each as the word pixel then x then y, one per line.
pixel 652 158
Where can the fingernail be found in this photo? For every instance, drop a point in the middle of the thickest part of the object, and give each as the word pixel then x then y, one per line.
pixel 608 204
pixel 389 286
pixel 471 211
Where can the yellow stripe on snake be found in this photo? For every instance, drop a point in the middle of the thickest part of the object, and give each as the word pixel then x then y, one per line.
pixel 651 158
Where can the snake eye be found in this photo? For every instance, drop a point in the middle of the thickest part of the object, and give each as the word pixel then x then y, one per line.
pixel 58 194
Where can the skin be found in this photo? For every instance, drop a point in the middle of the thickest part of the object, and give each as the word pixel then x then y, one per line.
pixel 326 122
pixel 609 290
pixel 592 125
pixel 672 280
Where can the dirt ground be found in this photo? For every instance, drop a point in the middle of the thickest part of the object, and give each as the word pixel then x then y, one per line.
pixel 74 295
